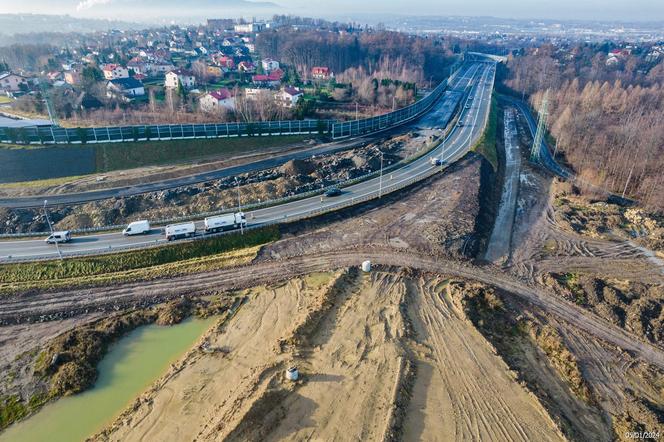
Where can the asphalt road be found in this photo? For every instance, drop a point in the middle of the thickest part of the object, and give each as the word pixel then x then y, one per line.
pixel 478 79
pixel 69 199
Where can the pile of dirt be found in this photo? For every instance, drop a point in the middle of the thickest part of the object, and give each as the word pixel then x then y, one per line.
pixel 634 306
pixel 602 219
pixel 297 167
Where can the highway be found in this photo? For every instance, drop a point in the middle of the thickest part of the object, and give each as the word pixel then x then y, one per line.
pixel 477 78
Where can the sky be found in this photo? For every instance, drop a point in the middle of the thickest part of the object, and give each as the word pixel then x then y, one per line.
pixel 145 10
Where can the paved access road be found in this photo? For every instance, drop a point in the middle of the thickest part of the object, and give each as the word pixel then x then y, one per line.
pixel 477 79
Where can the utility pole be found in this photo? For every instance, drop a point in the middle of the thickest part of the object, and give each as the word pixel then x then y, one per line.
pixel 536 150
pixel 239 204
pixel 380 180
pixel 356 111
pixel 50 228
pixel 394 103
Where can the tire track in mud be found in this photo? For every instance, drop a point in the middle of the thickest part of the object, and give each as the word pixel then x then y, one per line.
pixel 58 305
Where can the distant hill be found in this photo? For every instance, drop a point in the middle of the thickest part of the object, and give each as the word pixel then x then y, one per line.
pixel 11 24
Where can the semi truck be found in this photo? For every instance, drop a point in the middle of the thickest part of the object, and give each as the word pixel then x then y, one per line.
pixel 227 221
pixel 179 231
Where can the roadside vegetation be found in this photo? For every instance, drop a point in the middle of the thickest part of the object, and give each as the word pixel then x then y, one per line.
pixel 486 145
pixel 144 264
pixel 68 363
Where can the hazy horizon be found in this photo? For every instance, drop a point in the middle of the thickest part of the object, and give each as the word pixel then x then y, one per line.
pixel 152 10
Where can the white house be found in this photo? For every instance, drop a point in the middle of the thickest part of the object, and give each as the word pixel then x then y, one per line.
pixel 289 96
pixel 114 71
pixel 180 76
pixel 220 99
pixel 269 65
pixel 125 87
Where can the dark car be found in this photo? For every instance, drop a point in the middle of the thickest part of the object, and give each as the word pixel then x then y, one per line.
pixel 333 191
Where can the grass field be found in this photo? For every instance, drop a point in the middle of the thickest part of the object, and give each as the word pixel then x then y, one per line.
pixel 5 99
pixel 486 146
pixel 119 156
pixel 196 256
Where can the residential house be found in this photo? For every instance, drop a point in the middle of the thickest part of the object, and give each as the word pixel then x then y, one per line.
pixel 232 41
pixel 289 96
pixel 246 66
pixel 180 76
pixel 10 82
pixel 126 88
pixel 73 77
pixel 138 66
pixel 269 65
pixel 223 61
pixel 217 100
pixel 273 79
pixel 321 73
pixel 114 71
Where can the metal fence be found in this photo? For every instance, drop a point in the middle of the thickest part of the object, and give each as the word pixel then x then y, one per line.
pixel 369 125
pixel 118 134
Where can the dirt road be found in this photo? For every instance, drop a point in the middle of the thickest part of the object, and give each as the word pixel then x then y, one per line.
pixel 60 304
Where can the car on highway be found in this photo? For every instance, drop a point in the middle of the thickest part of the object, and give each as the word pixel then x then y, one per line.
pixel 59 237
pixel 438 162
pixel 460 123
pixel 214 224
pixel 137 228
pixel 332 192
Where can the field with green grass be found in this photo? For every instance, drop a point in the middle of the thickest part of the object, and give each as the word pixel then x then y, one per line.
pixel 143 264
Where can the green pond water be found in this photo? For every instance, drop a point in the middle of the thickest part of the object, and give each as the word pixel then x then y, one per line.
pixel 129 367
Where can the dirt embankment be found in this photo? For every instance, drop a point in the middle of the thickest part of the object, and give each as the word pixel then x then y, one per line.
pixel 292 178
pixel 66 364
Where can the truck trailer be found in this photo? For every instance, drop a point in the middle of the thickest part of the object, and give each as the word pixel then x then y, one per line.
pixel 179 231
pixel 227 221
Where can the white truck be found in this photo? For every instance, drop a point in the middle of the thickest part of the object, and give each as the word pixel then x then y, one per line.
pixel 179 231
pixel 228 221
pixel 137 228
pixel 59 237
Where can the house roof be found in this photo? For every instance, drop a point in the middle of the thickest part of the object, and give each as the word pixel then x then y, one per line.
pixel 183 72
pixel 292 91
pixel 126 83
pixel 221 94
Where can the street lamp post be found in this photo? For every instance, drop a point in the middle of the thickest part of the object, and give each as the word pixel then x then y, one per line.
pixel 239 204
pixel 380 180
pixel 50 228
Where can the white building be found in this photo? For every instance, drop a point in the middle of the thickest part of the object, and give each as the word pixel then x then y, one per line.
pixel 217 100
pixel 12 82
pixel 269 65
pixel 249 27
pixel 114 71
pixel 289 96
pixel 183 76
pixel 125 88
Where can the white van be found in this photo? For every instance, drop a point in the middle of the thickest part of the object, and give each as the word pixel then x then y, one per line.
pixel 225 222
pixel 59 237
pixel 179 231
pixel 137 228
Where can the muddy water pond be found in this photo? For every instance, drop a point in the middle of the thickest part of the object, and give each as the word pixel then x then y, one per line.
pixel 130 366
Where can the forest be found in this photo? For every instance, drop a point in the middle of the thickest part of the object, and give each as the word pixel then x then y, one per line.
pixel 606 119
pixel 429 58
